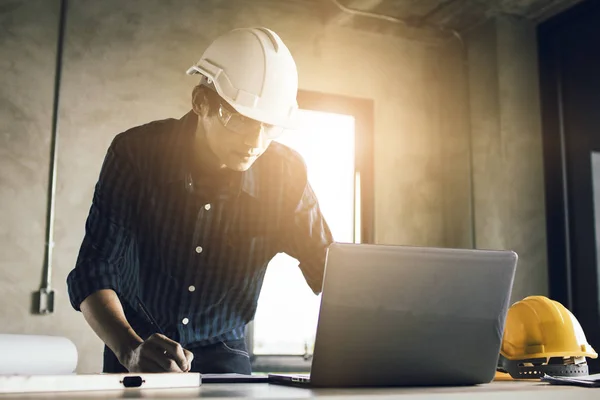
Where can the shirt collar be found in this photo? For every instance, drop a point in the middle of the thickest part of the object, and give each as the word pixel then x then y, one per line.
pixel 179 159
pixel 246 181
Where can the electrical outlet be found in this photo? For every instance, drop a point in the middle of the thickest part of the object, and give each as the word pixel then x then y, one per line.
pixel 45 301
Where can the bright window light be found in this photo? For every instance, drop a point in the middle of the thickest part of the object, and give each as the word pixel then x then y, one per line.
pixel 286 318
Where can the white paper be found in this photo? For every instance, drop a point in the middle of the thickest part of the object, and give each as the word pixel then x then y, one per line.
pixel 36 355
pixel 86 382
pixel 587 380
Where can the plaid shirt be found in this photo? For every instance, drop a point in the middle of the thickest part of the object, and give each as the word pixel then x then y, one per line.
pixel 194 249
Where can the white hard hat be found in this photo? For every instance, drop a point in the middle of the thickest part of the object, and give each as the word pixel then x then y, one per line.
pixel 253 70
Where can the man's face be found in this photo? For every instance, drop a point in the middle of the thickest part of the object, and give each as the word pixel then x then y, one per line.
pixel 235 141
pixel 236 148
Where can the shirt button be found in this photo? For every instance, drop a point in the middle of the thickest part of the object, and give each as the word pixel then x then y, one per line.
pixel 207 207
pixel 192 288
pixel 185 321
pixel 198 249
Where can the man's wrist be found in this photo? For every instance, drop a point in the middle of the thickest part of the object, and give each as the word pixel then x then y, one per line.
pixel 127 345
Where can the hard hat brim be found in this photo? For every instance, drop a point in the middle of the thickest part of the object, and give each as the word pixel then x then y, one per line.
pixel 289 122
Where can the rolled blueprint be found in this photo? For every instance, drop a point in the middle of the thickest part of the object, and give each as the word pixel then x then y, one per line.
pixel 36 355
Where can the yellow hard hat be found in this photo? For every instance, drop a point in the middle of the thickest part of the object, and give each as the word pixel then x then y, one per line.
pixel 542 337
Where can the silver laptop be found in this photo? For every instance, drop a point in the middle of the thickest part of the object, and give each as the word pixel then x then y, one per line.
pixel 396 316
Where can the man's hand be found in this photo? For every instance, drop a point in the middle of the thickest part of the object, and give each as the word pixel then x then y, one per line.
pixel 158 354
pixel 104 312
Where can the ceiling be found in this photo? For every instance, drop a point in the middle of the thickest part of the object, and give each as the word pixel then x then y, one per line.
pixel 433 19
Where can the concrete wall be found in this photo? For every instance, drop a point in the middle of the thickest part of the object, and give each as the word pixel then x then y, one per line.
pixel 508 189
pixel 28 33
pixel 124 65
pixel 455 145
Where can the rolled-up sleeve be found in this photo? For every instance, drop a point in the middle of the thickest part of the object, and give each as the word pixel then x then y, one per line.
pixel 108 228
pixel 307 236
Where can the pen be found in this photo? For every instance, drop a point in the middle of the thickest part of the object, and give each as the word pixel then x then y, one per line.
pixel 148 315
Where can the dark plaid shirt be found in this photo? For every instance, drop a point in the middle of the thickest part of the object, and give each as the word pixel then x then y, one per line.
pixel 194 248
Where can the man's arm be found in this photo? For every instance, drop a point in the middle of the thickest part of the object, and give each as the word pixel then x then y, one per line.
pixel 104 313
pixel 307 235
pixel 96 279
pixel 108 228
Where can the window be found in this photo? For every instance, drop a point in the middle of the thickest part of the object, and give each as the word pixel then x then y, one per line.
pixel 282 334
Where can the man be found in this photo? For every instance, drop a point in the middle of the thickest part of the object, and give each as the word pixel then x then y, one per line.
pixel 187 214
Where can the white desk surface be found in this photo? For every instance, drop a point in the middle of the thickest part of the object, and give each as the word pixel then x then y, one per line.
pixel 513 390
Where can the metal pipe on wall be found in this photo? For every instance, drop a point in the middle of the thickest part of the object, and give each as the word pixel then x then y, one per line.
pixel 45 295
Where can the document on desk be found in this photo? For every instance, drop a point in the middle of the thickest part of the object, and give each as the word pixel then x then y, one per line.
pixel 234 378
pixel 587 381
pixel 87 382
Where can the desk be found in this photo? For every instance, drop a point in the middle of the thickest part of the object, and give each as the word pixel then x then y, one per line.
pixel 513 390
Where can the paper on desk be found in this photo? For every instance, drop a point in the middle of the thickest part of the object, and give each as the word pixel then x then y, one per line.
pixel 91 382
pixel 588 381
pixel 234 378
pixel 36 355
